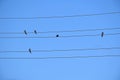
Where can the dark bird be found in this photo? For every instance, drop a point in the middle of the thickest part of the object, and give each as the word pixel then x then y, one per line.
pixel 57 35
pixel 35 31
pixel 25 32
pixel 30 51
pixel 102 34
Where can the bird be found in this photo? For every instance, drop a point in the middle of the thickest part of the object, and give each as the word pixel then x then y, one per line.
pixel 102 34
pixel 35 31
pixel 25 32
pixel 57 35
pixel 30 51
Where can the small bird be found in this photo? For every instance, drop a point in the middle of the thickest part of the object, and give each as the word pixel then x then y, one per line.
pixel 25 32
pixel 30 51
pixel 102 34
pixel 35 31
pixel 57 35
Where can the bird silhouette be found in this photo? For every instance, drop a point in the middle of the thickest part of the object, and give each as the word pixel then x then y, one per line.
pixel 35 31
pixel 30 51
pixel 25 32
pixel 57 35
pixel 102 34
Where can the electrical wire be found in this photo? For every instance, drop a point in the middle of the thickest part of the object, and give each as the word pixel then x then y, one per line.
pixel 71 36
pixel 52 17
pixel 67 57
pixel 63 50
pixel 84 30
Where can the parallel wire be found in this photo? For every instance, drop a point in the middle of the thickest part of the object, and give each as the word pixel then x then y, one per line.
pixel 110 34
pixel 84 30
pixel 67 57
pixel 63 50
pixel 52 17
pixel 87 49
pixel 62 36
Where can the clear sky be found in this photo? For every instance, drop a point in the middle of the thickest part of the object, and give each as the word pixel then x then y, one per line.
pixel 59 69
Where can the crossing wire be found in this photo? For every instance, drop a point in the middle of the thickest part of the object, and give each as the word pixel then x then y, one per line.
pixel 69 36
pixel 78 30
pixel 70 16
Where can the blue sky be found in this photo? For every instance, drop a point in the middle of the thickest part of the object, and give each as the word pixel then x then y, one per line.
pixel 59 69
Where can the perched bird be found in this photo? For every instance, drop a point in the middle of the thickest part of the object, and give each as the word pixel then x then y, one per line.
pixel 35 31
pixel 102 34
pixel 25 32
pixel 30 51
pixel 57 35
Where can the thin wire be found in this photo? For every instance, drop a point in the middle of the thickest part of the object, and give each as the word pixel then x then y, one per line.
pixel 52 17
pixel 89 49
pixel 67 57
pixel 110 34
pixel 84 30
pixel 64 50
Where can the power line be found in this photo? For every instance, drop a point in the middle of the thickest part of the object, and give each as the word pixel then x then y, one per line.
pixel 62 50
pixel 52 17
pixel 67 57
pixel 84 30
pixel 69 36
pixel 78 30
